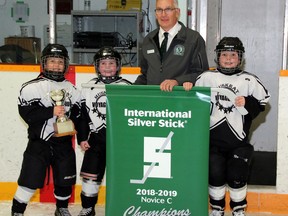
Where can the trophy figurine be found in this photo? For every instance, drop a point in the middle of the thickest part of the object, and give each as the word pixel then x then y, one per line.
pixel 63 125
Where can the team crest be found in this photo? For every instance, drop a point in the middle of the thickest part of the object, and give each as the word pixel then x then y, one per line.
pixel 221 107
pixel 223 99
pixel 179 50
pixel 99 106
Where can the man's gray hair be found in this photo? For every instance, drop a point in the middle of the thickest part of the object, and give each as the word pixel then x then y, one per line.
pixel 175 2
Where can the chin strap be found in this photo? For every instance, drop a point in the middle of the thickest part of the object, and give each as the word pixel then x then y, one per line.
pixel 229 71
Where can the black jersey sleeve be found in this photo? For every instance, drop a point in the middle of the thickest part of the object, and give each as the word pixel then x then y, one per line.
pixel 33 114
pixel 253 106
pixel 82 125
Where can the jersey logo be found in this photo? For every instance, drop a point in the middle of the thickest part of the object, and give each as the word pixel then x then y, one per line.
pixel 222 99
pixel 99 106
pixel 157 158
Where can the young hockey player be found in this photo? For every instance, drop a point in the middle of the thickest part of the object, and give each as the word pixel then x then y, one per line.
pixel 230 151
pixel 107 65
pixel 38 109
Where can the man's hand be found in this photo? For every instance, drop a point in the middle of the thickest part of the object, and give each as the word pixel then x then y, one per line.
pixel 167 85
pixel 187 86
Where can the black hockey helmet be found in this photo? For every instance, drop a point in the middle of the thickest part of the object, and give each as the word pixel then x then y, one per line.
pixel 107 53
pixel 57 51
pixel 230 44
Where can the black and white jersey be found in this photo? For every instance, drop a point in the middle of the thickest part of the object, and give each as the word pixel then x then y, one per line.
pixel 36 106
pixel 95 100
pixel 223 110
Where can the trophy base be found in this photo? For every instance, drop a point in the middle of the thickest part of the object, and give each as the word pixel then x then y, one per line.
pixel 64 129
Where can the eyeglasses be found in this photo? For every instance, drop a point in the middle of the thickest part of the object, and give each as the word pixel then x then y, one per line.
pixel 166 10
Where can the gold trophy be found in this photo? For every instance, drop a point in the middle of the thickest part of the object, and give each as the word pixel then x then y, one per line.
pixel 63 125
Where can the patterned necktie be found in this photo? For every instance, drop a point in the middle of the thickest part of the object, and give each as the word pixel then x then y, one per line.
pixel 163 46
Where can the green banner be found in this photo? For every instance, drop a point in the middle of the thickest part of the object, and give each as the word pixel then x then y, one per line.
pixel 157 151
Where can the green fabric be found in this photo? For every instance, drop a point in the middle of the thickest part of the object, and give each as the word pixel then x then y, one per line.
pixel 157 151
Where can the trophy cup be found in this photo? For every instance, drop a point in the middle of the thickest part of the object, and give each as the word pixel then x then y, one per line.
pixel 63 125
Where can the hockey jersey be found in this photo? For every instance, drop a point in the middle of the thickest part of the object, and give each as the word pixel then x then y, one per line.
pixel 223 110
pixel 36 106
pixel 95 100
